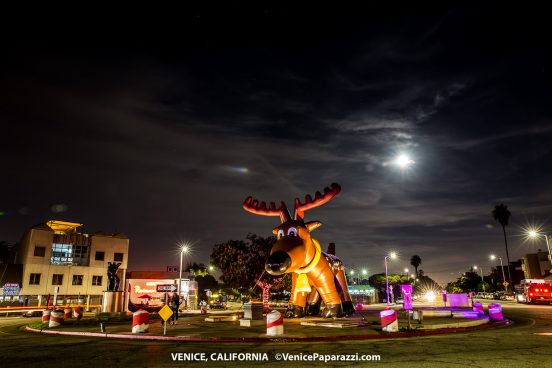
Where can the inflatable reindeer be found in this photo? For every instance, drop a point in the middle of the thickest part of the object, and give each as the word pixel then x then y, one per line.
pixel 316 276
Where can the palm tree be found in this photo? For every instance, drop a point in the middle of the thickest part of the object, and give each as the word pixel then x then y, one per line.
pixel 416 261
pixel 502 215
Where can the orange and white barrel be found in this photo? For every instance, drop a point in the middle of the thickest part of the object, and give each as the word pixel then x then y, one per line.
pixel 67 313
pixel 389 321
pixel 140 321
pixel 77 312
pixel 495 312
pixel 56 318
pixel 46 315
pixel 274 323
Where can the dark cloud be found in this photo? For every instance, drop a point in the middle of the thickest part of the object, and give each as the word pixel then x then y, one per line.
pixel 162 133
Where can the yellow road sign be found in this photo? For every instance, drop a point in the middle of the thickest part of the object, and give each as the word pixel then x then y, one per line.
pixel 166 313
pixel 505 283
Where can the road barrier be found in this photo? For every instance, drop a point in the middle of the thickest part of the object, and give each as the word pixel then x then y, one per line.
pixel 56 318
pixel 46 315
pixel 67 313
pixel 274 323
pixel 389 322
pixel 140 321
pixel 495 312
pixel 478 307
pixel 77 312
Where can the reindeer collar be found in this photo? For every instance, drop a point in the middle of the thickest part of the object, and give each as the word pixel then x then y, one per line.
pixel 318 253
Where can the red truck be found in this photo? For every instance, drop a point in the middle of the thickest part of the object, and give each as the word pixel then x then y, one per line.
pixel 534 291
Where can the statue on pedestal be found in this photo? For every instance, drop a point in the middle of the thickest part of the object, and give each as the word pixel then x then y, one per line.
pixel 113 279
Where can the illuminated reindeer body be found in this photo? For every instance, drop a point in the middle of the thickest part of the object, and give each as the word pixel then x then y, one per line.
pixel 316 276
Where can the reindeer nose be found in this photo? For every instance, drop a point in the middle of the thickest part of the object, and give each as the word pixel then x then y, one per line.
pixel 277 263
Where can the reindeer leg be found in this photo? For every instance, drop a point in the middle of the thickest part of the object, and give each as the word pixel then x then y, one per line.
pixel 313 303
pixel 296 305
pixel 346 302
pixel 323 278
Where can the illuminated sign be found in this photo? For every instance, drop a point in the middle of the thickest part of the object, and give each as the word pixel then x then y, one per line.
pixel 143 292
pixel 11 289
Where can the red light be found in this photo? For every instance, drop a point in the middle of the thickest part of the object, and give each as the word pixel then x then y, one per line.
pixel 545 290
pixel 530 294
pixel 537 290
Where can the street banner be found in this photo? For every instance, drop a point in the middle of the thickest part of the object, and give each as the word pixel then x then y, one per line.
pixel 406 290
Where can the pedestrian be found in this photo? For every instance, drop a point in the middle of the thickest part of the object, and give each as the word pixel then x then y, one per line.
pixel 175 306
pixel 203 306
pixel 172 304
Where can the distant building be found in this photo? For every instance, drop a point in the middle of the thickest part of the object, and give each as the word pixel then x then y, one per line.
pixel 59 259
pixel 536 265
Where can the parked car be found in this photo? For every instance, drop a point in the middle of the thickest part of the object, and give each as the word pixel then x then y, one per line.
pixel 32 313
pixel 217 304
pixel 508 296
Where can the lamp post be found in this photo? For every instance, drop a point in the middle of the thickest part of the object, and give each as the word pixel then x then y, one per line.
pixel 184 249
pixel 364 273
pixel 391 255
pixel 482 281
pixel 533 234
pixel 493 257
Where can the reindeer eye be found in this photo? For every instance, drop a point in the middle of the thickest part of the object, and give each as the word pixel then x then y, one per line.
pixel 280 233
pixel 292 231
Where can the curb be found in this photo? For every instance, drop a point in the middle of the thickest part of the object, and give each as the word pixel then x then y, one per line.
pixel 393 335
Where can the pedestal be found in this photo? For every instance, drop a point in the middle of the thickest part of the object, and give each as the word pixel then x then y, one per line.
pixel 112 302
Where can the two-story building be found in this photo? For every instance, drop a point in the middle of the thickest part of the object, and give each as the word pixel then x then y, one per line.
pixel 62 262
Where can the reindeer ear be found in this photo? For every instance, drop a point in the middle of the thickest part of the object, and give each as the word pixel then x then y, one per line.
pixel 275 231
pixel 312 225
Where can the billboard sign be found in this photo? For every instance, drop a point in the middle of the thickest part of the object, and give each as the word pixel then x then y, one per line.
pixel 11 289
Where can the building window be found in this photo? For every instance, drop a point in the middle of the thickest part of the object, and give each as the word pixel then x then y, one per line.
pixel 57 279
pixel 100 256
pixel 39 251
pixel 97 280
pixel 80 253
pixel 62 254
pixel 77 279
pixel 34 279
pixel 118 257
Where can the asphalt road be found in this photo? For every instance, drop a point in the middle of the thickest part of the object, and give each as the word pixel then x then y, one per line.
pixel 517 345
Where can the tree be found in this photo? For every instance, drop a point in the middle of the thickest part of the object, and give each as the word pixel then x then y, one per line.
pixel 206 282
pixel 468 281
pixel 242 262
pixel 502 215
pixel 379 283
pixel 199 269
pixel 416 261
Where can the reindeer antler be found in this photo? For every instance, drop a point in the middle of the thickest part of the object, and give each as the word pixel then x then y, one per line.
pixel 253 206
pixel 319 200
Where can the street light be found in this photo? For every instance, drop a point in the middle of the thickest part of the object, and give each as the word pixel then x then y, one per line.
pixel 352 275
pixel 391 255
pixel 493 257
pixel 482 281
pixel 184 249
pixel 364 273
pixel 534 234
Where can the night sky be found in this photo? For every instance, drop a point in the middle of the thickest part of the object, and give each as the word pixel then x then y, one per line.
pixel 159 126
